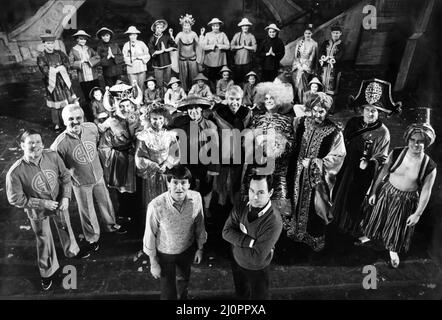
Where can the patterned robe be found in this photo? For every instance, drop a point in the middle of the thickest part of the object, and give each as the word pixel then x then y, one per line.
pixel 304 64
pixel 310 188
pixel 62 93
pixel 331 53
pixel 155 148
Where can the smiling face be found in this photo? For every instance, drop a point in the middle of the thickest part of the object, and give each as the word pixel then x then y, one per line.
pixel 245 29
pixel 271 33
pixel 416 143
pixel 252 80
pixel 125 108
pixel 319 114
pixel 226 75
pixel 49 46
pixel 269 102
pixel 195 113
pixel 159 28
pixel 234 102
pixel 81 40
pixel 32 147
pixel 178 188
pixel 106 37
pixel 151 85
pixel 200 83
pixel 157 121
pixel 259 194
pixel 73 121
pixel 370 114
pixel 133 37
pixel 174 86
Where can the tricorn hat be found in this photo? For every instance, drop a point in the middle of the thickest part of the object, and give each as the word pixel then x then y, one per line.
pixel 194 101
pixel 377 93
pixel 48 36
pixel 80 33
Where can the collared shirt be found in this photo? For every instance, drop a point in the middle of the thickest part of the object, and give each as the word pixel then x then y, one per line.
pixel 173 231
pixel 80 155
pixel 243 56
pixel 27 183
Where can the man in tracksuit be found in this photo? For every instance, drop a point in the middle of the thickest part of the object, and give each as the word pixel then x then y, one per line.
pixel 253 230
pixel 39 183
pixel 77 146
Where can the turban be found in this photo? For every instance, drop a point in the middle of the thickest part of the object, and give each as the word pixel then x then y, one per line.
pixel 423 128
pixel 320 99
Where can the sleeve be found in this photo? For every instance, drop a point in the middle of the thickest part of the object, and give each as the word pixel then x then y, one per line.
pixel 254 44
pixel 183 94
pixel 170 42
pixel 205 43
pixel 192 90
pixel 102 52
pixel 200 230
pixel 65 60
pixel 174 153
pixel 43 65
pixel 144 165
pixel 126 54
pixel 234 43
pixel 333 161
pixel 151 45
pixel 151 230
pixel 94 58
pixel 145 57
pixel 380 149
pixel 16 195
pixel 281 52
pixel 74 63
pixel 167 97
pixel 226 44
pixel 119 59
pixel 218 88
pixel 232 233
pixel 65 179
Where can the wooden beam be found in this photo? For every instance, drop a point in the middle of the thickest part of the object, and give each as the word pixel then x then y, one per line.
pixel 412 47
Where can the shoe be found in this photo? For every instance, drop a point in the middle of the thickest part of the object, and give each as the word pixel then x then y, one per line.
pixel 83 254
pixel 120 230
pixel 46 283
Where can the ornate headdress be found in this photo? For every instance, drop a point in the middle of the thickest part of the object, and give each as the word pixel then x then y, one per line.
pixel 121 92
pixel 377 93
pixel 187 18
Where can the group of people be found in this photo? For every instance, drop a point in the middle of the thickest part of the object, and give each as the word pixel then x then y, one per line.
pixel 283 165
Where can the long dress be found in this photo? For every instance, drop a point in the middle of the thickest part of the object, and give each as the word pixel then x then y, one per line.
pixel 310 188
pixel 155 148
pixel 187 58
pixel 58 86
pixel 281 126
pixel 361 140
pixel 116 149
pixel 331 53
pixel 303 67
pixel 270 64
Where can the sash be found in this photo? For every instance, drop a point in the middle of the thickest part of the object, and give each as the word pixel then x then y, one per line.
pixel 356 133
pixel 53 77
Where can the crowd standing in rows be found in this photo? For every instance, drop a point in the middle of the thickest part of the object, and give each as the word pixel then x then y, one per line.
pixel 170 142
